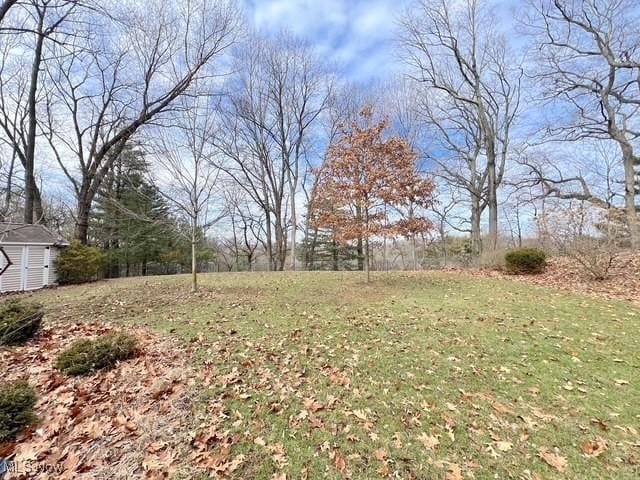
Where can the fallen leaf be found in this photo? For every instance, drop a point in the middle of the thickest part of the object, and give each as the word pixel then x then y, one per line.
pixel 339 462
pixel 454 472
pixel 429 441
pixel 594 448
pixel 600 424
pixel 553 459
pixel 504 446
pixel 380 454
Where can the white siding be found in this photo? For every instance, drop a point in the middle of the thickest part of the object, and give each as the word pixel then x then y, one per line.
pixel 11 280
pixel 29 267
pixel 35 256
pixel 53 254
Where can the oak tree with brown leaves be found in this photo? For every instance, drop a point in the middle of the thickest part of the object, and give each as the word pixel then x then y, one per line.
pixel 369 186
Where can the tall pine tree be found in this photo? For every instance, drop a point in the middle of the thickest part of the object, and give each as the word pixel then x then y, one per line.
pixel 131 220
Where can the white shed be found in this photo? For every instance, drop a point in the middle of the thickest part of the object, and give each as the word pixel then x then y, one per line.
pixel 27 254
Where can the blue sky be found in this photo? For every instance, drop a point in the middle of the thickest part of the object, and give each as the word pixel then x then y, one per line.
pixel 356 34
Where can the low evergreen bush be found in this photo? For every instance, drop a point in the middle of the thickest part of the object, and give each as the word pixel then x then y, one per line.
pixel 86 356
pixel 16 408
pixel 19 321
pixel 526 261
pixel 80 263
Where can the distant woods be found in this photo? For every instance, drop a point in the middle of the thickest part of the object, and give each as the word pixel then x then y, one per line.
pixel 183 141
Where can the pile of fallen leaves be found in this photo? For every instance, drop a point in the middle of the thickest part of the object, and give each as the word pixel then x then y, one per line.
pixel 567 274
pixel 132 421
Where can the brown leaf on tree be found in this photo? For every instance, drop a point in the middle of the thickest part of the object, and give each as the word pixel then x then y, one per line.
pixel 364 178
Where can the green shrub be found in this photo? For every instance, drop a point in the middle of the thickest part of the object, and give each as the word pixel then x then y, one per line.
pixel 19 321
pixel 525 260
pixel 16 408
pixel 79 263
pixel 85 356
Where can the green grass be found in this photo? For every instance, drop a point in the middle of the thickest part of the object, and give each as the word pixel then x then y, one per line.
pixel 326 369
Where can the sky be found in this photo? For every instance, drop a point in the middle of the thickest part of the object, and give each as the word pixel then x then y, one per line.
pixel 355 34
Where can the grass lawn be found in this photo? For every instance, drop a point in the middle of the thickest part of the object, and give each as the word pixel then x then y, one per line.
pixel 415 376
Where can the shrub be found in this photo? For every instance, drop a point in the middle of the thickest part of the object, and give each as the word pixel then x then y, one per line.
pixel 19 321
pixel 590 235
pixel 16 408
pixel 525 260
pixel 80 263
pixel 85 356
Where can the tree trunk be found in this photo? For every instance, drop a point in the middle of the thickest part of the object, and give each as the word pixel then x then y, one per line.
pixel 360 254
pixel 236 250
pixel 630 197
pixel 269 242
pixel 281 241
pixel 489 140
pixel 294 221
pixel 38 211
pixel 385 265
pixel 366 246
pixel 310 251
pixel 30 186
pixel 492 203
pixel 414 253
pixel 279 264
pixel 366 260
pixel 194 264
pixel 476 236
pixel 82 221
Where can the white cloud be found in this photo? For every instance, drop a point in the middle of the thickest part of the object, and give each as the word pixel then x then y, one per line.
pixel 355 33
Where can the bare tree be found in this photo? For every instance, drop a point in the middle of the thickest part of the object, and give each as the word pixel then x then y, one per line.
pixel 37 24
pixel 246 227
pixel 274 102
pixel 471 73
pixel 132 75
pixel 444 213
pixel 187 174
pixel 589 59
pixel 8 188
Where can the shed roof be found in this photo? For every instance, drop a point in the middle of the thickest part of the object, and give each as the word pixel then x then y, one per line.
pixel 29 234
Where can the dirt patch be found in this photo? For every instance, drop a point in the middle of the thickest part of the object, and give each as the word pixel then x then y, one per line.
pixel 133 421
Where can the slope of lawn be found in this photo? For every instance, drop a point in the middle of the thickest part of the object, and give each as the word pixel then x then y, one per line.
pixel 417 376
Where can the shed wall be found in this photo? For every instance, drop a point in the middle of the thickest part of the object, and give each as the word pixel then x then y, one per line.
pixel 33 267
pixel 11 280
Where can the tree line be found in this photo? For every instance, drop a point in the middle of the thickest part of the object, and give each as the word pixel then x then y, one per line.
pixel 184 138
